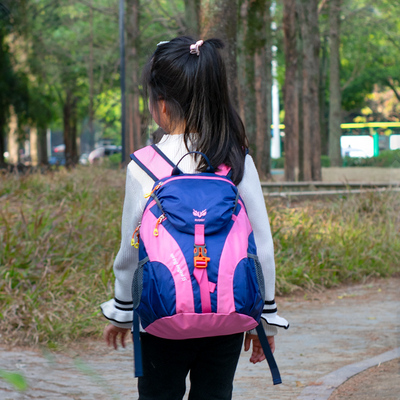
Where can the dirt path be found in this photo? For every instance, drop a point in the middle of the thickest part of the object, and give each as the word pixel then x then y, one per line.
pixel 383 379
pixel 328 331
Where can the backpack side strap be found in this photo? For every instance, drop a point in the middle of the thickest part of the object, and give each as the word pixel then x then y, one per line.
pixel 276 377
pixel 153 161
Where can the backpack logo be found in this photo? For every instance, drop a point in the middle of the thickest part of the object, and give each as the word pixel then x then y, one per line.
pixel 200 214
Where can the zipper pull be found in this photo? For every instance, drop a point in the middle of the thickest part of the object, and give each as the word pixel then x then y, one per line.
pixel 159 221
pixel 157 187
pixel 136 232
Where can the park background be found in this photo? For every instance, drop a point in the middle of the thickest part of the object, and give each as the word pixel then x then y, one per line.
pixel 328 63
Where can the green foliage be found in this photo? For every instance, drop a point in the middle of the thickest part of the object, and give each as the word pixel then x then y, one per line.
pixel 279 163
pixel 15 379
pixel 386 159
pixel 325 161
pixel 370 40
pixel 113 161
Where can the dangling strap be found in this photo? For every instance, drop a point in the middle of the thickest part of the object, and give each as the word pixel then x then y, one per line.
pixel 276 376
pixel 153 161
pixel 137 346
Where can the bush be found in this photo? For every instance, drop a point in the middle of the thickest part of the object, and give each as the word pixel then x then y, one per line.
pixel 60 232
pixel 325 161
pixel 385 159
pixel 113 161
pixel 278 163
pixel 323 244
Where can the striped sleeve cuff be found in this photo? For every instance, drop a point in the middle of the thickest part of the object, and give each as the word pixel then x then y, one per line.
pixel 119 313
pixel 271 317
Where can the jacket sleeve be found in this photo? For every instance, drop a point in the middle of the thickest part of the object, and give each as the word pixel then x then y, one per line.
pixel 119 310
pixel 253 198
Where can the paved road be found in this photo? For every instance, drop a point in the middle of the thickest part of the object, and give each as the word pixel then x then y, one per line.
pixel 328 331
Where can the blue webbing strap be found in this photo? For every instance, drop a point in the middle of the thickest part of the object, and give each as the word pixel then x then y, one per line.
pixel 137 346
pixel 276 376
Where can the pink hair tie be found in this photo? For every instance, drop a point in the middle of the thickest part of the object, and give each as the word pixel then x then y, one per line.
pixel 194 48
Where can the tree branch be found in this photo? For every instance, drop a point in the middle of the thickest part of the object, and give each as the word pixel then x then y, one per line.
pixel 321 6
pixel 393 87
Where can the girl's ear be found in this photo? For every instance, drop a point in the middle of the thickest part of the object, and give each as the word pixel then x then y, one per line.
pixel 163 106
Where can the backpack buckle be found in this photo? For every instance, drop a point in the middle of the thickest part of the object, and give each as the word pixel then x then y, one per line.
pixel 200 260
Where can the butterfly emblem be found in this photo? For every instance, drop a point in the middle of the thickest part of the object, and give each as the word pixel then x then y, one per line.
pixel 200 214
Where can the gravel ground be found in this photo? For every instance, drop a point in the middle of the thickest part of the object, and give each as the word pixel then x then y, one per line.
pixel 328 331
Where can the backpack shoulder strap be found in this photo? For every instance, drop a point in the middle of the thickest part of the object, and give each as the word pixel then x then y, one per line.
pixel 153 161
pixel 224 170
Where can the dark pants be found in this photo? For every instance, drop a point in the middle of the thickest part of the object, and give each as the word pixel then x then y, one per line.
pixel 211 361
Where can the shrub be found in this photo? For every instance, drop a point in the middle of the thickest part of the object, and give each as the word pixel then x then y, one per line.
pixel 385 159
pixel 60 232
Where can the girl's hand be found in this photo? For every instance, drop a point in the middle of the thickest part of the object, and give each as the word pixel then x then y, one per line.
pixel 111 334
pixel 257 353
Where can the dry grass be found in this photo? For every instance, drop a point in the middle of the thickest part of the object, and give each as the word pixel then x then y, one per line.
pixel 59 234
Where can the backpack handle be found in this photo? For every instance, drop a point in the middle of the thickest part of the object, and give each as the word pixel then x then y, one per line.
pixel 210 169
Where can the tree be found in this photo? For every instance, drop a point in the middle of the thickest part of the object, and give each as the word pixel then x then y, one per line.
pixel 310 91
pixel 219 19
pixel 335 99
pixel 133 122
pixel 13 91
pixel 192 17
pixel 291 97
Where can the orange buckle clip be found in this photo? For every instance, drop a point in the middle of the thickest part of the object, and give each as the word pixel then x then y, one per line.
pixel 200 260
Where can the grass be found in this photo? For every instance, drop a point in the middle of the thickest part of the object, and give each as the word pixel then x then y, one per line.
pixel 59 234
pixel 325 243
pixel 58 237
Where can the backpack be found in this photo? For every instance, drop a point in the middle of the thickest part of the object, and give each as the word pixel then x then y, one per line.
pixel 198 273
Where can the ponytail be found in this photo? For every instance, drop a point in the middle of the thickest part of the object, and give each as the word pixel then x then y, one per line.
pixel 195 90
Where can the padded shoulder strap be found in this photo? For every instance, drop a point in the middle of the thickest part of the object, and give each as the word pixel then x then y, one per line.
pixel 224 170
pixel 153 161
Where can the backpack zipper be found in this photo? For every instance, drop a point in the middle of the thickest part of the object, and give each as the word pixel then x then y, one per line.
pixel 160 220
pixel 155 188
pixel 136 232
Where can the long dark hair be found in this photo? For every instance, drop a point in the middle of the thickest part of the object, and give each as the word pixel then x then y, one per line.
pixel 195 90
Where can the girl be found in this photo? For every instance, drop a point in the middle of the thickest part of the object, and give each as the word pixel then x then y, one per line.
pixel 188 98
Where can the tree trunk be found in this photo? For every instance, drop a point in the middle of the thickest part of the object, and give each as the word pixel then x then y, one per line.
pixel 291 99
pixel 248 92
pixel 311 126
pixel 258 32
pixel 91 82
pixel 242 87
pixel 323 118
pixel 69 134
pixel 335 98
pixel 267 87
pixel 42 147
pixel 2 140
pixel 192 18
pixel 12 142
pixel 74 132
pixel 34 144
pixel 299 88
pixel 133 123
pixel 219 18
